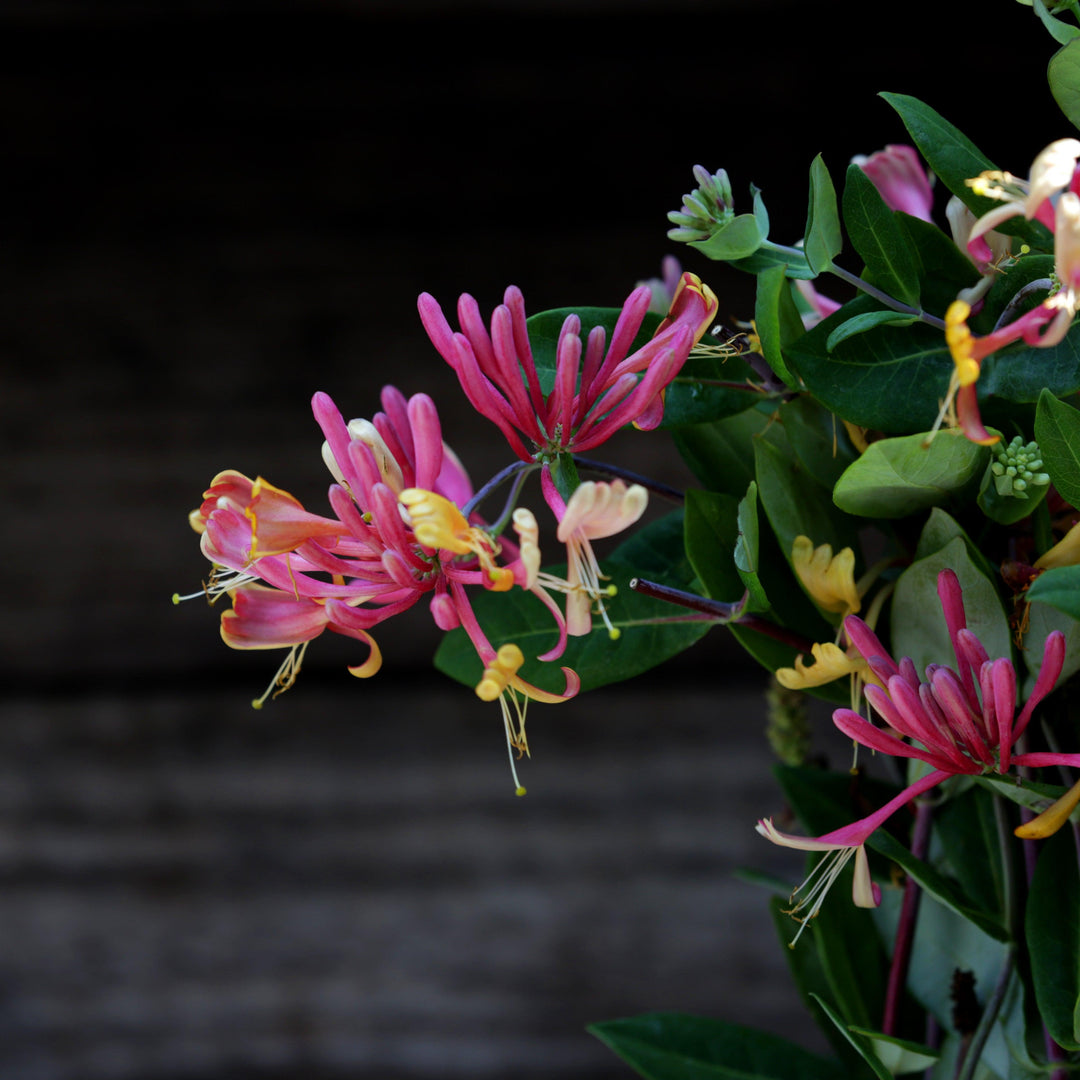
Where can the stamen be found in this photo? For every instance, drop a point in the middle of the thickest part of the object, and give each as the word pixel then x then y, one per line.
pixel 286 674
pixel 823 876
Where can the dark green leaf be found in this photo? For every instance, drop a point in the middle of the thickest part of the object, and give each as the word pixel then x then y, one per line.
pixel 692 399
pixel 861 1044
pixel 1052 927
pixel 676 1046
pixel 794 506
pixel 818 438
pixel 721 454
pixel 822 241
pixel 777 321
pixel 901 476
pixel 655 552
pixel 1057 431
pixel 890 378
pixel 746 551
pixel 936 884
pixel 878 238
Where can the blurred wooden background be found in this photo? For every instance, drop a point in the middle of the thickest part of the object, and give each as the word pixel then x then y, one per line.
pixel 211 211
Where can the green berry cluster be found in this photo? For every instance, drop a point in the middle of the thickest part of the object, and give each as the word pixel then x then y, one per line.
pixel 1016 469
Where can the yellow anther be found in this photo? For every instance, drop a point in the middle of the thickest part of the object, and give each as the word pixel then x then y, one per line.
pixel 499 672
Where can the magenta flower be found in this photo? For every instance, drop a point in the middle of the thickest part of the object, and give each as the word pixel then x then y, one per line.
pixel 292 574
pixel 960 721
pixel 900 179
pixel 596 391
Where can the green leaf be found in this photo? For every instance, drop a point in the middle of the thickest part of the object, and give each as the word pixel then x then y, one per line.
pixel 899 1056
pixel 878 238
pixel 1027 793
pixel 691 399
pixel 1053 936
pixel 721 454
pixel 647 638
pixel 1063 72
pixel 1060 588
pixel 822 241
pixel 818 438
pixel 1061 31
pixel 918 624
pixel 901 476
pixel 677 1046
pixel 1057 431
pixel 935 884
pixel 777 321
pixel 739 238
pixel 888 378
pixel 712 533
pixel 565 475
pixel 794 506
pixel 861 1044
pixel 746 551
pixel 867 321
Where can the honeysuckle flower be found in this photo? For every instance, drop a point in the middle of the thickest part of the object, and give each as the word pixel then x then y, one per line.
pixel 596 392
pixel 989 252
pixel 397 535
pixel 821 306
pixel 595 510
pixel 830 663
pixel 663 288
pixel 828 578
pixel 1051 172
pixel 900 179
pixel 960 721
pixel 1052 818
pixel 1044 325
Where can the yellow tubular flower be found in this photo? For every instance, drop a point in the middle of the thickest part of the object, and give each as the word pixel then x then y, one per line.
pixel 828 578
pixel 830 662
pixel 1052 818
pixel 1066 552
pixel 438 524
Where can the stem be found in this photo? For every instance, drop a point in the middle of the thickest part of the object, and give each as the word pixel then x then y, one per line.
pixel 511 503
pixel 970 1061
pixel 885 298
pixel 500 477
pixel 655 486
pixel 909 914
pixel 723 613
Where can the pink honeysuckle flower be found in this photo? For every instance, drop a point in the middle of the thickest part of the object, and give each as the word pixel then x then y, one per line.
pixel 958 721
pixel 292 574
pixel 596 392
pixel 900 179
pixel 595 510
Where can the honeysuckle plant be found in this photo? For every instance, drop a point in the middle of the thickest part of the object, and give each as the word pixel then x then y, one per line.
pixel 882 507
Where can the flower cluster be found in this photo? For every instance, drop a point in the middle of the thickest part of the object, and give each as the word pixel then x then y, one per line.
pixel 599 386
pixel 957 721
pixel 1051 197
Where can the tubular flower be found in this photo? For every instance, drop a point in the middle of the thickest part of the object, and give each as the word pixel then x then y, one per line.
pixel 1051 172
pixel 1043 326
pixel 830 662
pixel 828 578
pixel 900 179
pixel 291 574
pixel 958 721
pixel 595 510
pixel 596 392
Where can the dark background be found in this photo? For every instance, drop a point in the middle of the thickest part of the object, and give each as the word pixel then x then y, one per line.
pixel 212 210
